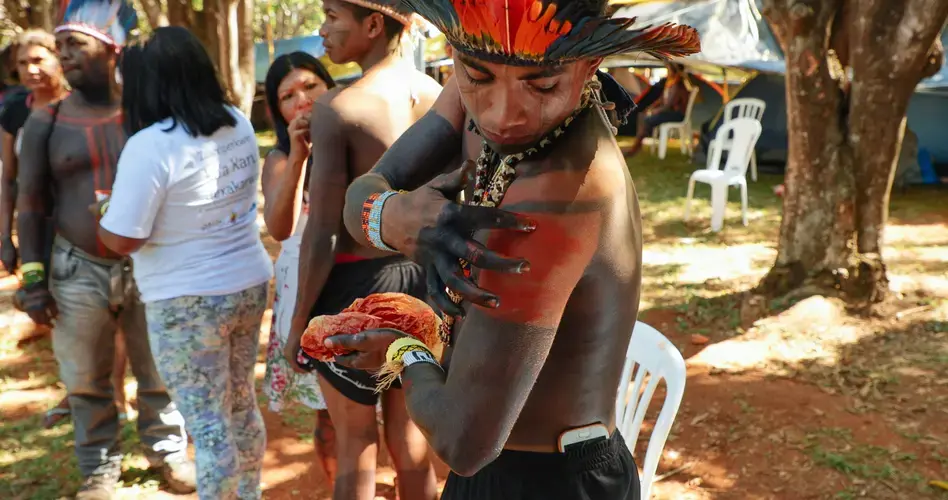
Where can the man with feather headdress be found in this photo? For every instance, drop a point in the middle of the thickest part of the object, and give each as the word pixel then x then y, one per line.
pixel 539 308
pixel 69 155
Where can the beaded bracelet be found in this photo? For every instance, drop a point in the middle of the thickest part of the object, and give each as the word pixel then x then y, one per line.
pixel 33 273
pixel 372 219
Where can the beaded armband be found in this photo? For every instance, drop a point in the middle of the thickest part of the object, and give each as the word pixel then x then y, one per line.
pixel 33 273
pixel 401 354
pixel 372 219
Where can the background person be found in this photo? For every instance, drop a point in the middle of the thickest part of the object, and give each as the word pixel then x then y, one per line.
pixel 67 160
pixel 669 109
pixel 44 83
pixel 42 77
pixel 184 205
pixel 351 129
pixel 294 81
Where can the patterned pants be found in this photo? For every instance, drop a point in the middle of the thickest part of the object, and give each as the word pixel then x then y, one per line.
pixel 205 349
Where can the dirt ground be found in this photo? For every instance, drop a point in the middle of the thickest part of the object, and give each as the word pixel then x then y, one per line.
pixel 790 399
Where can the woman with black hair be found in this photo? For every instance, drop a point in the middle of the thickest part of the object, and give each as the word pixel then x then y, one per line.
pixel 184 206
pixel 294 81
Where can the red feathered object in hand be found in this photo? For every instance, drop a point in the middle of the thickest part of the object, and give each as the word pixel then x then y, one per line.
pixel 381 310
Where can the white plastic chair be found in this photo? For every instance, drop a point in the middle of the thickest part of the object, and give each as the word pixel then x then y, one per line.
pixel 658 358
pixel 744 107
pixel 738 138
pixel 682 129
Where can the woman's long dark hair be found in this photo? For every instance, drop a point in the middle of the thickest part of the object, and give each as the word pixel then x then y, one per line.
pixel 281 67
pixel 170 75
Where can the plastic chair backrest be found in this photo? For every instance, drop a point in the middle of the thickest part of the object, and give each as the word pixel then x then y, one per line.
pixel 738 137
pixel 744 107
pixel 657 358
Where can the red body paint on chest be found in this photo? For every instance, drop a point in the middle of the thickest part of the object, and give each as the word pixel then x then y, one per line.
pixel 558 252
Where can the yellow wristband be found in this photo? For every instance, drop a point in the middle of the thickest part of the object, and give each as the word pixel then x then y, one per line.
pixel 393 366
pixel 33 266
pixel 399 347
pixel 103 208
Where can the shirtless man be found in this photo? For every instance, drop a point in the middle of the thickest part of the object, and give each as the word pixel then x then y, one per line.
pixel 540 353
pixel 68 157
pixel 350 129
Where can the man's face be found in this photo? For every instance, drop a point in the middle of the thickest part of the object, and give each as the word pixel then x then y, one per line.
pixel 38 68
pixel 346 38
pixel 514 106
pixel 85 60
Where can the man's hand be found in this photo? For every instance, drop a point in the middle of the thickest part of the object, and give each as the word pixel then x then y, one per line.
pixel 38 303
pixel 291 350
pixel 8 254
pixel 429 227
pixel 96 208
pixel 368 348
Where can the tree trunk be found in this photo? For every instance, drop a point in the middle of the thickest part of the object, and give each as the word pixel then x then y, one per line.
pixel 152 10
pixel 894 44
pixel 42 14
pixel 16 13
pixel 844 137
pixel 245 82
pixel 181 13
pixel 818 224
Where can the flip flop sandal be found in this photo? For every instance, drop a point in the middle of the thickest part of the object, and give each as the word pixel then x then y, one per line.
pixel 55 416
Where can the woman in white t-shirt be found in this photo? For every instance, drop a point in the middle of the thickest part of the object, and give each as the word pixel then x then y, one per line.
pixel 184 206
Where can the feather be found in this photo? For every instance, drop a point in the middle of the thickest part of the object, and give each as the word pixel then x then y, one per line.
pixel 605 37
pixel 112 21
pixel 548 31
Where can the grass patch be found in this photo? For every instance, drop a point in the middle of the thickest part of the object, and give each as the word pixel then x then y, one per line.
pixel 40 464
pixel 836 449
pixel 662 185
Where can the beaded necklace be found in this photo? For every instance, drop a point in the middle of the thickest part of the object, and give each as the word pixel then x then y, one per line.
pixel 494 175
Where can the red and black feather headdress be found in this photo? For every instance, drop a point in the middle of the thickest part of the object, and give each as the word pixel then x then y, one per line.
pixel 540 32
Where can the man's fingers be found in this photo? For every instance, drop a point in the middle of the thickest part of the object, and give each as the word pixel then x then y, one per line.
pixel 474 218
pixel 450 272
pixel 356 342
pixel 369 340
pixel 295 366
pixel 40 317
pixel 438 293
pixel 452 183
pixel 481 257
pixel 358 360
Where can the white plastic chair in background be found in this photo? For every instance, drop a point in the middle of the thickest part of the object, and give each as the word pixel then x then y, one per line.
pixel 657 358
pixel 738 138
pixel 682 129
pixel 744 107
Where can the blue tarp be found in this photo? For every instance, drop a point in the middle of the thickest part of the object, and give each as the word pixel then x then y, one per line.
pixel 311 44
pixel 734 33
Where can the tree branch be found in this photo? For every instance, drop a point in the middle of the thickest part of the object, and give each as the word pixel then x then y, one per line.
pixel 935 59
pixel 152 10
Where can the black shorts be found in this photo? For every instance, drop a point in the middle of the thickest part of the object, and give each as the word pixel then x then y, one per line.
pixel 602 470
pixel 355 280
